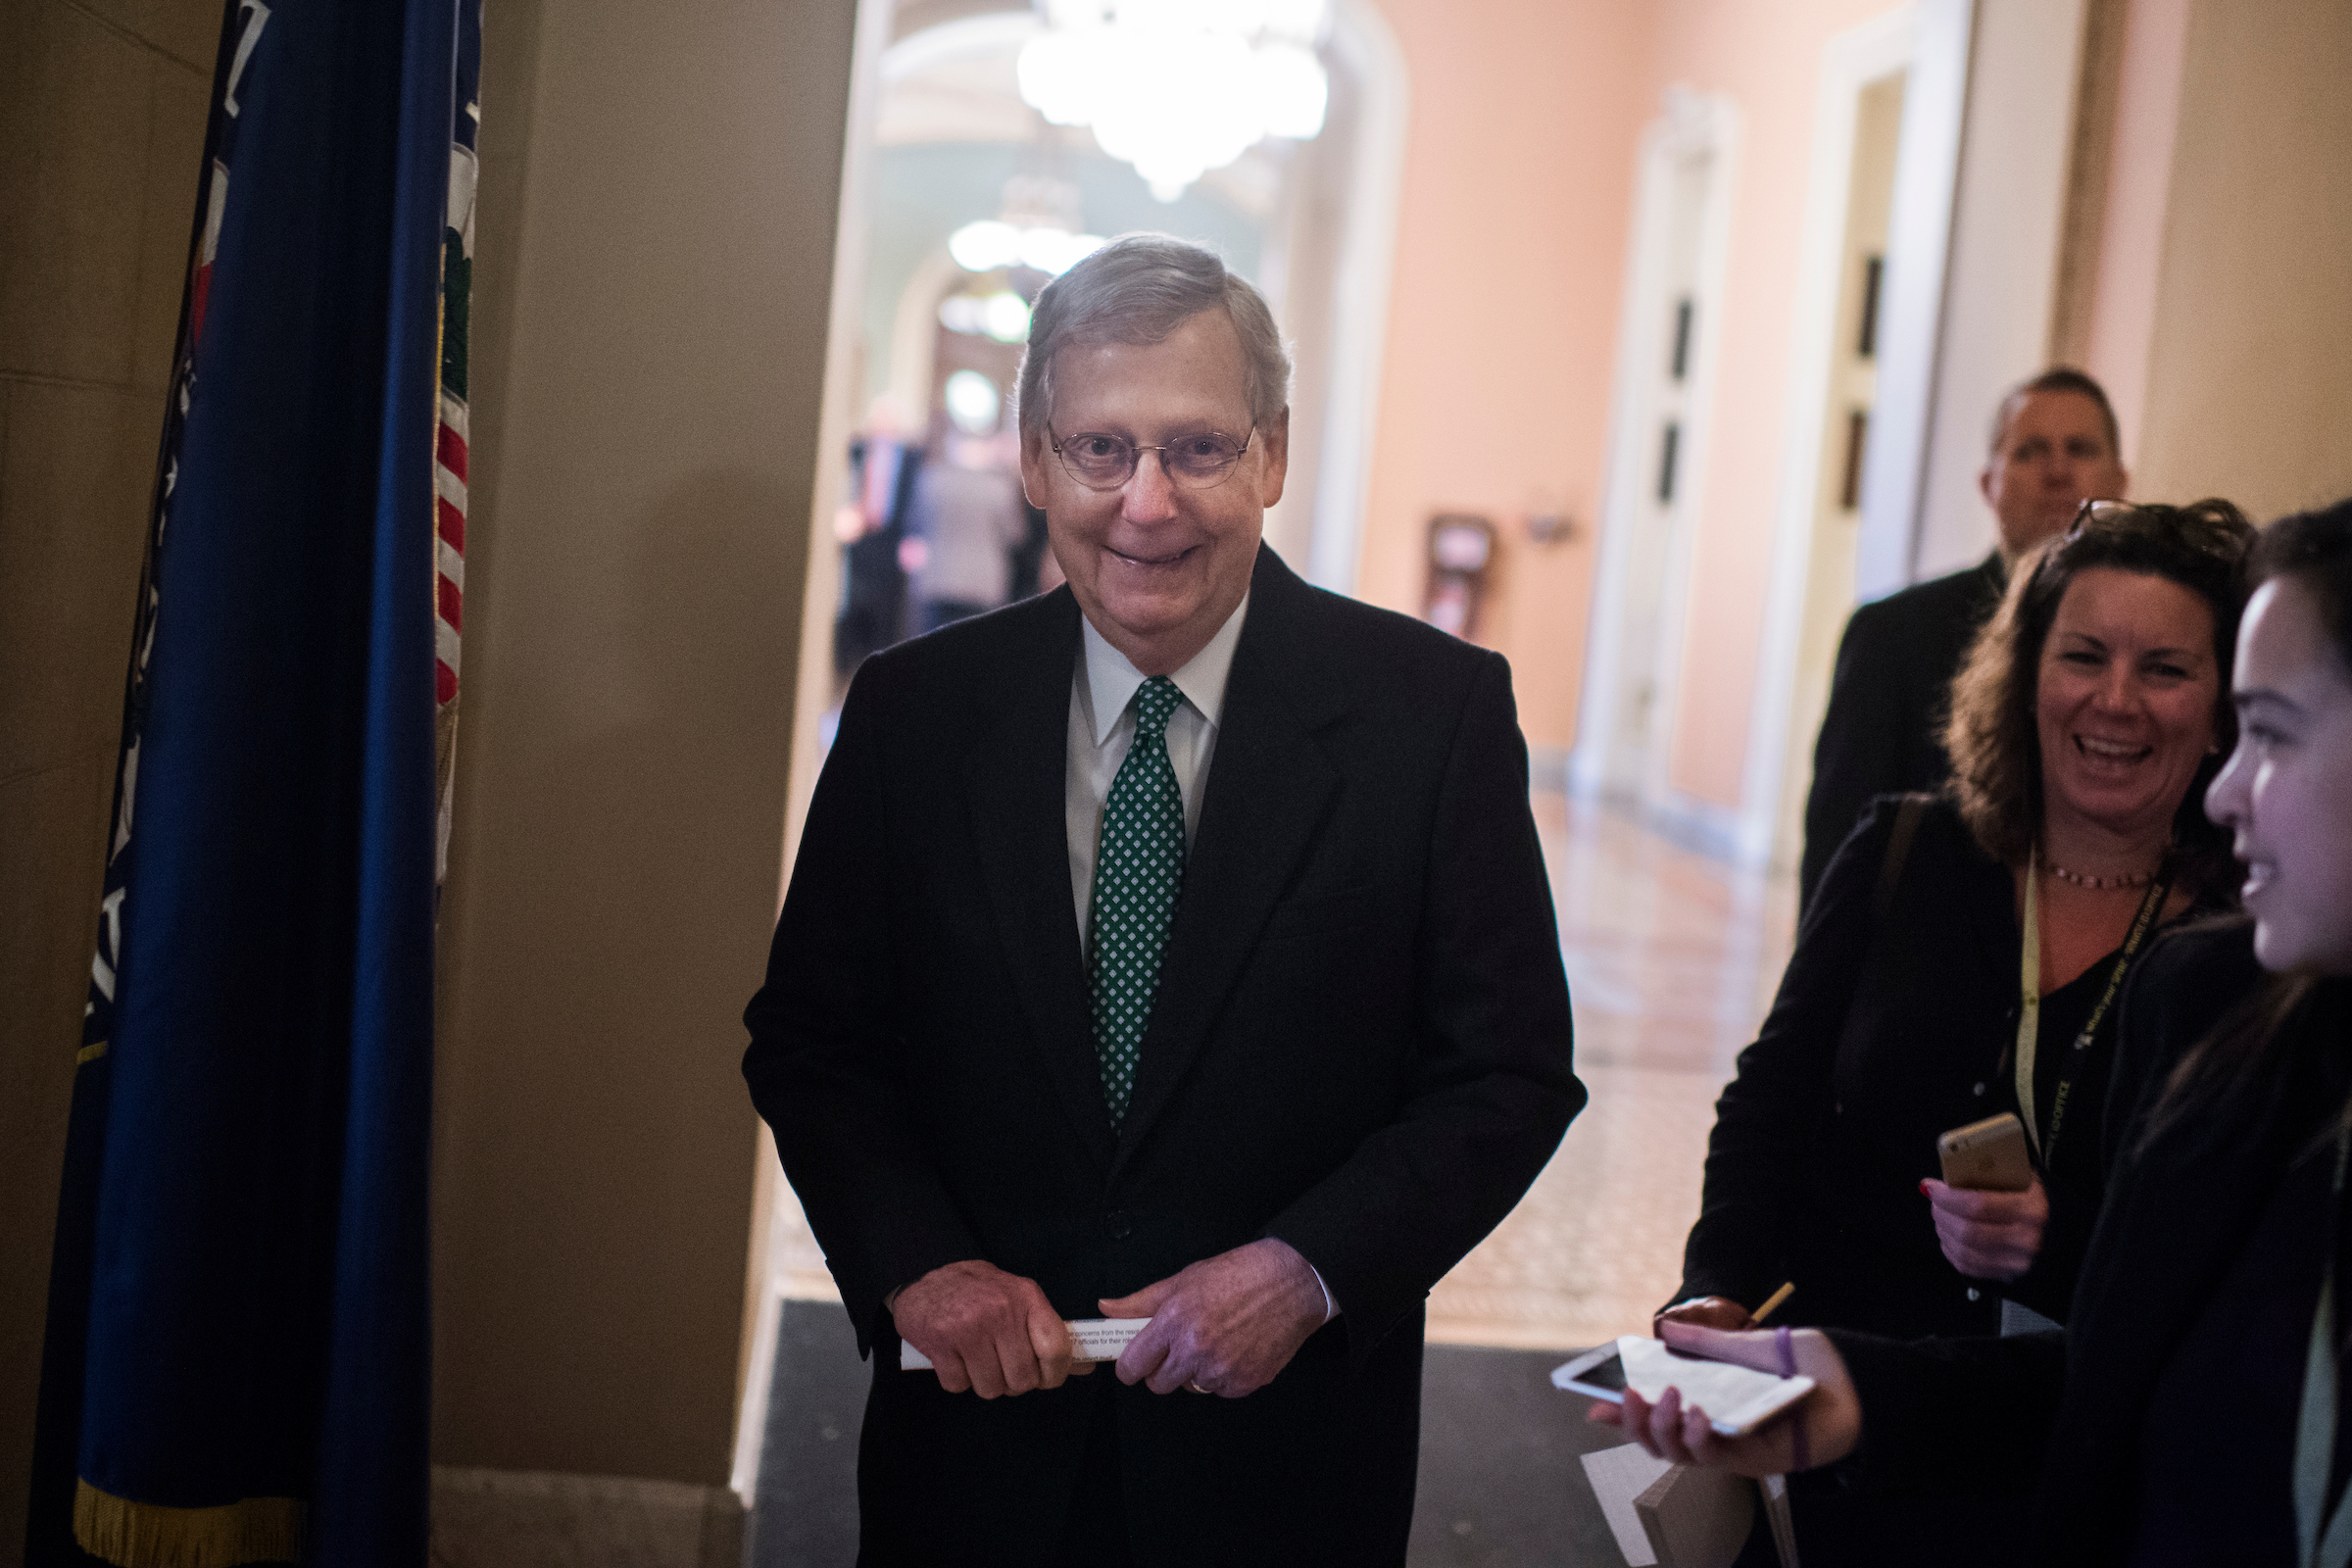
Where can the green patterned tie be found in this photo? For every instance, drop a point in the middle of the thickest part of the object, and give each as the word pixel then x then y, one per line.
pixel 1139 869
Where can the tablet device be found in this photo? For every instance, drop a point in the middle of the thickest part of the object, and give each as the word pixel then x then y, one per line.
pixel 1737 1398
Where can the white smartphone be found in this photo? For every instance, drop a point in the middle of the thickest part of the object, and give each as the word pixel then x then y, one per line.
pixel 1737 1398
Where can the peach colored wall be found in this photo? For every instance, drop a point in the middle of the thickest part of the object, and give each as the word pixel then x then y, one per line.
pixel 1766 59
pixel 1517 194
pixel 1510 254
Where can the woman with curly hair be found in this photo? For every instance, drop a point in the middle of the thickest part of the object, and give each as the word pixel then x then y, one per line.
pixel 1961 959
pixel 2196 1410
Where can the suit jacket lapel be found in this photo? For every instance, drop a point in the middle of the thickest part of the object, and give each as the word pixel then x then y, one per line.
pixel 1015 779
pixel 1269 786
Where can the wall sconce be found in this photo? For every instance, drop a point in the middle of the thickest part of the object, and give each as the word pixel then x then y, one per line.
pixel 1461 550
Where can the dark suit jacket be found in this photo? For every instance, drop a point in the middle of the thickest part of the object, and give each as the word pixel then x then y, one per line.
pixel 1884 731
pixel 1361 1045
pixel 1959 1414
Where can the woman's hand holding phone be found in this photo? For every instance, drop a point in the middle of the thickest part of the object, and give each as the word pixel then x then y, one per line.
pixel 1832 1412
pixel 1989 1235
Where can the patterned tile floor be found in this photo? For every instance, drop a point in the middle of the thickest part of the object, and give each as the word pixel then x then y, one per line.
pixel 1672 958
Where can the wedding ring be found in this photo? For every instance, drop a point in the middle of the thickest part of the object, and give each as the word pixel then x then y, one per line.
pixel 1193 1384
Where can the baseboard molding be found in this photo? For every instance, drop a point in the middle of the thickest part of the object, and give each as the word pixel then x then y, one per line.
pixel 534 1519
pixel 1718 832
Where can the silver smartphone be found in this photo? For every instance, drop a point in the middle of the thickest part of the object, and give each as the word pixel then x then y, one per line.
pixel 1737 1398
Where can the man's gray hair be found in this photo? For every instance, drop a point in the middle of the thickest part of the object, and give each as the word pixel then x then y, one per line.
pixel 1139 288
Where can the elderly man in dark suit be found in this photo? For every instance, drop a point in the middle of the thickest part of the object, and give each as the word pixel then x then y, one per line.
pixel 1176 945
pixel 2054 445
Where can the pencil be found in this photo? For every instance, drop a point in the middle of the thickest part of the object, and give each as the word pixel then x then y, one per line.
pixel 1772 1303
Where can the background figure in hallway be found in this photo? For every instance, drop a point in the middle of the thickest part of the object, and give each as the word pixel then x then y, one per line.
pixel 1175 945
pixel 2054 445
pixel 963 527
pixel 883 469
pixel 2092 713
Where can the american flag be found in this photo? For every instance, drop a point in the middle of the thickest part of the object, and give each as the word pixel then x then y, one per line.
pixel 451 440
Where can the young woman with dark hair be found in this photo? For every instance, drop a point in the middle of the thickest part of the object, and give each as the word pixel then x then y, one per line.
pixel 2195 1410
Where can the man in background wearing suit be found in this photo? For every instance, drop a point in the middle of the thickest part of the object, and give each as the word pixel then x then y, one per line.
pixel 1174 945
pixel 2054 445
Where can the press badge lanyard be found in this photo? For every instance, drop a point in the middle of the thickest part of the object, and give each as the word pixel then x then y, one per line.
pixel 2315 1430
pixel 2029 1009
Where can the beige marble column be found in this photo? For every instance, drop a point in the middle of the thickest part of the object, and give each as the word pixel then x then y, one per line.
pixel 655 241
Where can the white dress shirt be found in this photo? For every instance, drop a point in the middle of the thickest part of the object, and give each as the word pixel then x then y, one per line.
pixel 1101 729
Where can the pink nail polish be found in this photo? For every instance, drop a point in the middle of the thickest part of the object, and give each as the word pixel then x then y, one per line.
pixel 1922 1187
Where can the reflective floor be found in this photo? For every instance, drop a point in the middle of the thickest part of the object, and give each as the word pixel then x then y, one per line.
pixel 1672 958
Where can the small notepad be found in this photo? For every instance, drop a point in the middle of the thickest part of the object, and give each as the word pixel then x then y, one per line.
pixel 1094 1339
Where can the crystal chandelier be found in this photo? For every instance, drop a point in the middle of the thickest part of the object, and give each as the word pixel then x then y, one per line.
pixel 1178 87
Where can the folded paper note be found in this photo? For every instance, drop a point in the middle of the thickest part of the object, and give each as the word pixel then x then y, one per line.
pixel 1092 1339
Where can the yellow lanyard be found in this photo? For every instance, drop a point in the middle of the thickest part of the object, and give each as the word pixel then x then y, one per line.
pixel 2029 1006
pixel 2315 1428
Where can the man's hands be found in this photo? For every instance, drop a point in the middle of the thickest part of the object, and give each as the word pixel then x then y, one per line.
pixel 1989 1236
pixel 1832 1412
pixel 985 1330
pixel 1226 1325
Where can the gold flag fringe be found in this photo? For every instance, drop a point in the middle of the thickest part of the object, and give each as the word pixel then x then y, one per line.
pixel 147 1535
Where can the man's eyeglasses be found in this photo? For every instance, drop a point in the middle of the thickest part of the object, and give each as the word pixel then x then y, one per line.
pixel 1101 461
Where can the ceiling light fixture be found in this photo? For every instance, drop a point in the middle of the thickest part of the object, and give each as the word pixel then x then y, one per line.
pixel 1003 316
pixel 989 244
pixel 1178 87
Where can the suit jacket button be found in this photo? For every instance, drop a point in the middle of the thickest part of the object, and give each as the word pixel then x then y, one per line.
pixel 1118 1224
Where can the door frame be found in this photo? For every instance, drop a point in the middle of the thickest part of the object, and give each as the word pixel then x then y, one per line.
pixel 1931 39
pixel 1363 43
pixel 1691 123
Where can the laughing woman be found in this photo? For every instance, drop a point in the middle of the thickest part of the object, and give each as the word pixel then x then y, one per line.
pixel 1960 959
pixel 2193 1412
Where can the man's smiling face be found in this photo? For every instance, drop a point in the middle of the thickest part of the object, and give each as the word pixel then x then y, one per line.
pixel 1157 567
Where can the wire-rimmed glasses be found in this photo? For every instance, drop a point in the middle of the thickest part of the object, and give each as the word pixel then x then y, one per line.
pixel 1102 461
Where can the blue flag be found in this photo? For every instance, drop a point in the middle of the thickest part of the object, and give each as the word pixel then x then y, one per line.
pixel 236 1365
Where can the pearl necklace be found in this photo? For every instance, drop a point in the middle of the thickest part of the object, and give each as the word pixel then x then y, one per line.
pixel 2100 884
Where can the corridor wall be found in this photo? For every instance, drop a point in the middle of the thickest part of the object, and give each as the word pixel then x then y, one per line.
pixel 656 240
pixel 1767 60
pixel 2248 335
pixel 101 108
pixel 1511 250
